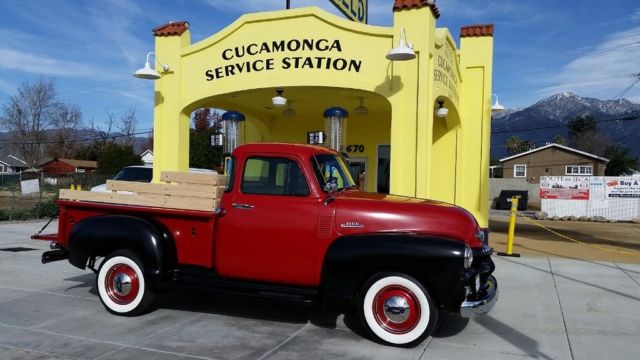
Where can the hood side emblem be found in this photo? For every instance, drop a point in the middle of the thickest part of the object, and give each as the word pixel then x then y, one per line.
pixel 352 224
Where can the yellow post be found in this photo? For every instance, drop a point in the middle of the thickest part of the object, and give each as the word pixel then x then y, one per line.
pixel 73 187
pixel 512 228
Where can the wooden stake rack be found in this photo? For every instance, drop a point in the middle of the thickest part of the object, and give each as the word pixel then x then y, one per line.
pixel 180 190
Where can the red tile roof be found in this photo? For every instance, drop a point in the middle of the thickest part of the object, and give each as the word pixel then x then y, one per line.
pixel 87 164
pixel 408 4
pixel 171 28
pixel 476 30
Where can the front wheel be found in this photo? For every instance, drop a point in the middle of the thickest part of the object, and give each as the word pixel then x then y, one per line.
pixel 397 310
pixel 121 284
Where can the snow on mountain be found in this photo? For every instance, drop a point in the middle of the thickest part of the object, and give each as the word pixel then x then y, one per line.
pixel 550 116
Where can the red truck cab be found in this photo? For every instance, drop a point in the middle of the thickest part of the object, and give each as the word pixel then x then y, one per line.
pixel 291 222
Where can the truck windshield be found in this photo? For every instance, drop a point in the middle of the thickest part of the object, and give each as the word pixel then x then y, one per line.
pixel 332 172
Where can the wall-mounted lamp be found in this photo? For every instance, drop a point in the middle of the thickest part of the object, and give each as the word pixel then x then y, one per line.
pixel 279 100
pixel 147 72
pixel 361 109
pixel 496 107
pixel 289 112
pixel 441 111
pixel 403 51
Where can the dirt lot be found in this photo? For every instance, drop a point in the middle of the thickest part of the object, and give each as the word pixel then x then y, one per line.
pixel 619 242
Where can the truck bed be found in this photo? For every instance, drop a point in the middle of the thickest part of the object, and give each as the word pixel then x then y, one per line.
pixel 185 205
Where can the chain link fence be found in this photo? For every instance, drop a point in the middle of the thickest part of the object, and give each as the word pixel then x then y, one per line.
pixel 17 205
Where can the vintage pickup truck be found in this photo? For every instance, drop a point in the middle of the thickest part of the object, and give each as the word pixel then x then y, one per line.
pixel 287 223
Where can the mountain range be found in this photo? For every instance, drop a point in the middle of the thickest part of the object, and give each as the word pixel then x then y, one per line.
pixel 544 120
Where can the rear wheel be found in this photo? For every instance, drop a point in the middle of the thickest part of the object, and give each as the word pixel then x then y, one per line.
pixel 121 284
pixel 396 309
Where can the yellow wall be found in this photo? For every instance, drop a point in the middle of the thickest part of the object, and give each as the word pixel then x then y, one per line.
pixel 445 159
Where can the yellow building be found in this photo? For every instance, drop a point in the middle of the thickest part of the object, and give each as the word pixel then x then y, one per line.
pixel 320 60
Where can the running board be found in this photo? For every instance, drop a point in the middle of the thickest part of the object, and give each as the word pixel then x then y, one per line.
pixel 208 280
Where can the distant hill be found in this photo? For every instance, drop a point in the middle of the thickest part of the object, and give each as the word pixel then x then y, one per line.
pixel 549 117
pixel 140 143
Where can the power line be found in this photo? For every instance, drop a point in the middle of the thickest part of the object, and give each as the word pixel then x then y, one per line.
pixel 96 138
pixel 627 118
pixel 625 90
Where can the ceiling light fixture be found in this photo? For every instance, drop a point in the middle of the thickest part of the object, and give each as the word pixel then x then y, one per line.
pixel 149 73
pixel 279 100
pixel 289 112
pixel 441 111
pixel 361 109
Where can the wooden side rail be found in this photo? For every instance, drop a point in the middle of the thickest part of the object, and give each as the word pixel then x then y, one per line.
pixel 188 191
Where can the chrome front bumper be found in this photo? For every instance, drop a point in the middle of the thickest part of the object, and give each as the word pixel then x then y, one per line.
pixel 474 307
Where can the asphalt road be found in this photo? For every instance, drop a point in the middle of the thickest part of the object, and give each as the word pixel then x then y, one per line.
pixel 549 308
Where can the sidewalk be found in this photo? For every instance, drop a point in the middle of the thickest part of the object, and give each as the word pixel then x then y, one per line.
pixel 549 308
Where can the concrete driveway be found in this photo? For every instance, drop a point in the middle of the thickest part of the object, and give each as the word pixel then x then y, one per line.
pixel 549 308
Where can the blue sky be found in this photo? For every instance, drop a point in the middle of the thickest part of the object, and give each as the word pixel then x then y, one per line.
pixel 91 48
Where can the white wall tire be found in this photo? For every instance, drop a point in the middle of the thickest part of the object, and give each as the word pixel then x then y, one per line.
pixel 121 284
pixel 397 310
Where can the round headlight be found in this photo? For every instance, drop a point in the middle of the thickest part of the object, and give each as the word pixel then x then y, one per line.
pixel 468 257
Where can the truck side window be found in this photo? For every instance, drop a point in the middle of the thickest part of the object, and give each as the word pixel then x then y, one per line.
pixel 230 170
pixel 273 176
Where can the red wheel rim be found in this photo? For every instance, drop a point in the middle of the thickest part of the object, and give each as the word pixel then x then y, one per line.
pixel 396 320
pixel 122 284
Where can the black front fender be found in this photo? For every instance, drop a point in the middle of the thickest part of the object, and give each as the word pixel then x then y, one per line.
pixel 101 235
pixel 437 263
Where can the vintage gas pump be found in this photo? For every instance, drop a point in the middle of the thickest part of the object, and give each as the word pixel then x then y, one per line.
pixel 232 139
pixel 335 120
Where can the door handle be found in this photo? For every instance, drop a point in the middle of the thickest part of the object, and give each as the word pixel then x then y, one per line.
pixel 242 206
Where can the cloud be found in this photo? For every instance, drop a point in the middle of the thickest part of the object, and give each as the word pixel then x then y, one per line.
pixel 115 21
pixel 482 9
pixel 43 65
pixel 380 12
pixel 603 71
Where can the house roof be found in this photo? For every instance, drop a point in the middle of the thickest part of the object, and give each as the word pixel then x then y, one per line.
pixel 14 161
pixel 570 149
pixel 87 164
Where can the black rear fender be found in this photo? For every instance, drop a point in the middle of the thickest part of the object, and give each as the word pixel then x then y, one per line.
pixel 102 235
pixel 437 263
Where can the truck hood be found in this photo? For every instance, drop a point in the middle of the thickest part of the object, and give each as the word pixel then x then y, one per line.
pixel 359 212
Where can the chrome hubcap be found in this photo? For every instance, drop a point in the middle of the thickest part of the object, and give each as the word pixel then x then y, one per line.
pixel 397 309
pixel 122 284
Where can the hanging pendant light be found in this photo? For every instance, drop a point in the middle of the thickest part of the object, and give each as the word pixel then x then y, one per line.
pixel 361 109
pixel 279 100
pixel 289 112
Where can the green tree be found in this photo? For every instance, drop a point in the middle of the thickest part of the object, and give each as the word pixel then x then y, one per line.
pixel 116 156
pixel 620 162
pixel 201 153
pixel 583 135
pixel 515 145
pixel 558 139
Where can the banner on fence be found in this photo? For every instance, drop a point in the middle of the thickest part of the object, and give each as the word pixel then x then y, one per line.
pixel 29 186
pixel 623 188
pixel 564 187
